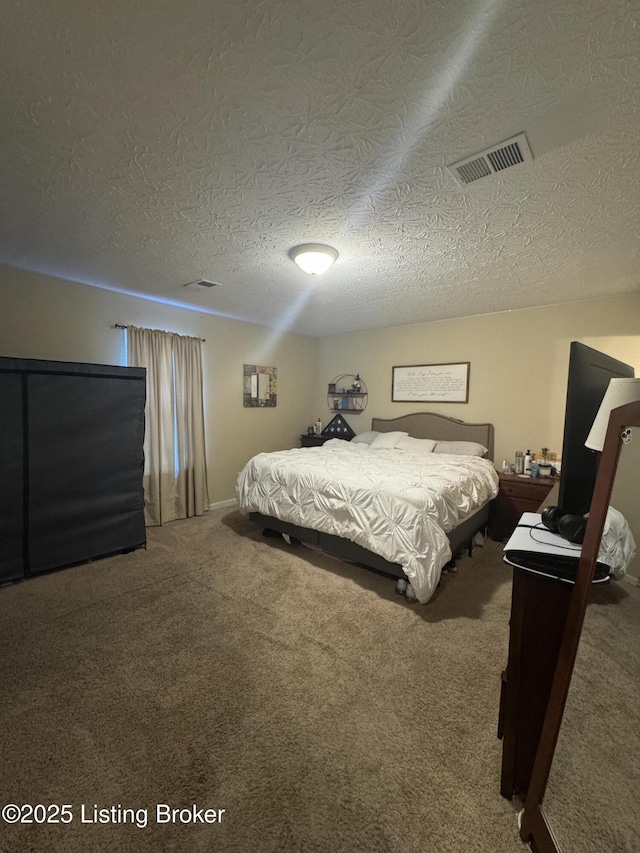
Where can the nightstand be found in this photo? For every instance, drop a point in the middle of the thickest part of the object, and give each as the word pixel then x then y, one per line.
pixel 313 440
pixel 515 496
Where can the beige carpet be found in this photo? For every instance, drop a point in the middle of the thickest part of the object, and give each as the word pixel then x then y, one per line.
pixel 230 671
pixel 593 797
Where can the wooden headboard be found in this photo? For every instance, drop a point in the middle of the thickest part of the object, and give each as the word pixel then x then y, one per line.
pixel 437 427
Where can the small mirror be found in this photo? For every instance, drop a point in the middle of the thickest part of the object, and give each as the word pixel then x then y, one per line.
pixel 259 386
pixel 263 387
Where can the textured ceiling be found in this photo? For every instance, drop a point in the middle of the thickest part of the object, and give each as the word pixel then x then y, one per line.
pixel 145 145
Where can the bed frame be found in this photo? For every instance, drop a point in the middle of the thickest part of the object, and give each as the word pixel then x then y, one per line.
pixel 418 425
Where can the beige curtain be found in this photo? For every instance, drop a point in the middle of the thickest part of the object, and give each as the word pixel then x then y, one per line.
pixel 175 469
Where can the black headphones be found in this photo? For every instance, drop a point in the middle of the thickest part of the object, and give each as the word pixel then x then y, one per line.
pixel 571 527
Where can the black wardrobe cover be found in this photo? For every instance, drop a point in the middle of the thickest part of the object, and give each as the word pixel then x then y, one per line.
pixel 71 463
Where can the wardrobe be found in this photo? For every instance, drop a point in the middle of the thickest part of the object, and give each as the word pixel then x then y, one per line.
pixel 71 463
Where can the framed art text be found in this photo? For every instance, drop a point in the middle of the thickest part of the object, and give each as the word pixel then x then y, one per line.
pixel 431 383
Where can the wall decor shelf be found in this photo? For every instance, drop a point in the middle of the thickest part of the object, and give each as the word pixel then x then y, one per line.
pixel 347 393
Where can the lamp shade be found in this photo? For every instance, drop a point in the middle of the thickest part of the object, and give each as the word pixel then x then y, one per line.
pixel 313 258
pixel 619 393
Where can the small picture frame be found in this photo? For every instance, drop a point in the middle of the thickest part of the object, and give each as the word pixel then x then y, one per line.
pixel 259 384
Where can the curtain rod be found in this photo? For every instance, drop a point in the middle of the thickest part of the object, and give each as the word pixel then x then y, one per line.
pixel 120 326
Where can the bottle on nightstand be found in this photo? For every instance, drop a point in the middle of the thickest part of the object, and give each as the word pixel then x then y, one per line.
pixel 519 462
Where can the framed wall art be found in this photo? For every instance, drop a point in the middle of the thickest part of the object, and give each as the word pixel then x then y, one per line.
pixel 259 386
pixel 430 383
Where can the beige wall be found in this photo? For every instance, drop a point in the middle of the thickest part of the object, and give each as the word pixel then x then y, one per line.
pixel 45 317
pixel 518 376
pixel 626 491
pixel 519 362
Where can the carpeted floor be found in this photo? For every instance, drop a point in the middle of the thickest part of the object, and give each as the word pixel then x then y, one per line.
pixel 300 694
pixel 592 800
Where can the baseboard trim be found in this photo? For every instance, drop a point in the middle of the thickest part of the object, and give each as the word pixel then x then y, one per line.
pixel 630 579
pixel 221 504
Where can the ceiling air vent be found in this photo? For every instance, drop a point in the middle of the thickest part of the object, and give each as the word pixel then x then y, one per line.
pixel 495 159
pixel 202 284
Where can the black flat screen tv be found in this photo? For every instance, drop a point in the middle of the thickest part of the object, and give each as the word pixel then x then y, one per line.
pixel 589 375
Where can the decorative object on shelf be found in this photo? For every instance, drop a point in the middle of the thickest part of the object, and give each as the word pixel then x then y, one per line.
pixel 338 428
pixel 347 393
pixel 259 385
pixel 313 258
pixel 430 383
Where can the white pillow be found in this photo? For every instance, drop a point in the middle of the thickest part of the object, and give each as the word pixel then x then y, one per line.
pixel 387 440
pixel 460 448
pixel 416 445
pixel 364 437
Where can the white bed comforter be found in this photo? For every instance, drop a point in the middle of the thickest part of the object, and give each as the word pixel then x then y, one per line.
pixel 396 503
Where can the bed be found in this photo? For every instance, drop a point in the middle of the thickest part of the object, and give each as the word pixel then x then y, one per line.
pixel 390 505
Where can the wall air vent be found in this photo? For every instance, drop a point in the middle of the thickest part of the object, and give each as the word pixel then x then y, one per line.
pixel 202 284
pixel 492 160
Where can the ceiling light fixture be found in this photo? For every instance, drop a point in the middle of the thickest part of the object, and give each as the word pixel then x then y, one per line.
pixel 313 258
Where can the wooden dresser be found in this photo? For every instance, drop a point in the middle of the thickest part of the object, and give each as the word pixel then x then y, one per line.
pixel 517 495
